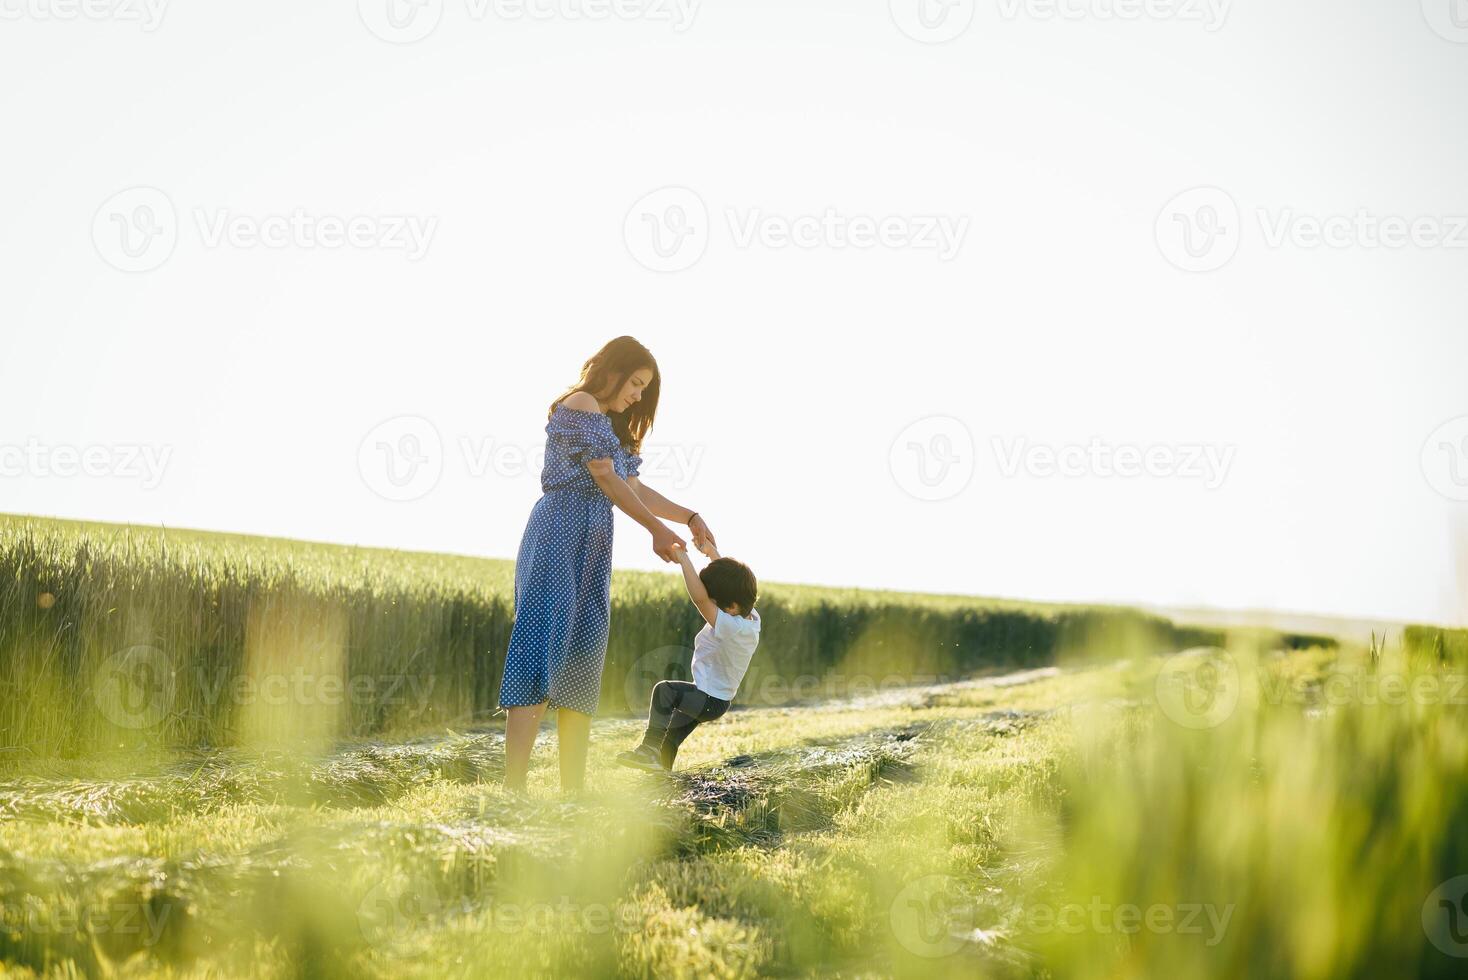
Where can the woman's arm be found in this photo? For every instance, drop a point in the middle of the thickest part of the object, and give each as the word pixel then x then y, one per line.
pixel 657 503
pixel 665 508
pixel 630 503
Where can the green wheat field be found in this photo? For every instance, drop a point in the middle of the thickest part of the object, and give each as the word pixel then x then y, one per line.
pixel 224 756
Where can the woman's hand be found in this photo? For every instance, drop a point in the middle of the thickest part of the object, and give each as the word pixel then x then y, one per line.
pixel 701 533
pixel 663 540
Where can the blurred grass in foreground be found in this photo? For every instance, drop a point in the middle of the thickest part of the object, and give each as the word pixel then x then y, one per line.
pixel 1299 825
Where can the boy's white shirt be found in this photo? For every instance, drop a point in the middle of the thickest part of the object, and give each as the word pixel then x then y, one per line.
pixel 722 651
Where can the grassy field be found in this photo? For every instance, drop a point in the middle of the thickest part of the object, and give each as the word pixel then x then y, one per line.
pixel 1093 821
pixel 1100 808
pixel 114 635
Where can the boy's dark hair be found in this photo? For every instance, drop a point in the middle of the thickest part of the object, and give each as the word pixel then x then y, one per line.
pixel 728 581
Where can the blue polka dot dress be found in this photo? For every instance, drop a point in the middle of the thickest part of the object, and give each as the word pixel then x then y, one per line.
pixel 563 572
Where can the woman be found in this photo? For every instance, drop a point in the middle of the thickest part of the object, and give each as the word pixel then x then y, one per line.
pixel 563 573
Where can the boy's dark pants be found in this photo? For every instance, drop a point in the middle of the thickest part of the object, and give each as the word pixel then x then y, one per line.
pixel 678 707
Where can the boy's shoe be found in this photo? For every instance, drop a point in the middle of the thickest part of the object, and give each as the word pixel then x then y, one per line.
pixel 642 758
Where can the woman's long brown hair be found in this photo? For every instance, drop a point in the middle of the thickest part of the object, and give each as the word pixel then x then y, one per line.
pixel 607 370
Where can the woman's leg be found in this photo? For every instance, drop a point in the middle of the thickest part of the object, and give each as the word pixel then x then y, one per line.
pixel 521 727
pixel 573 729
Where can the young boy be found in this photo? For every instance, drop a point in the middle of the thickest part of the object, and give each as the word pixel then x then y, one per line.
pixel 724 592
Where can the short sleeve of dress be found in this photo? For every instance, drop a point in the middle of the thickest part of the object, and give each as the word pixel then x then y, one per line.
pixel 586 435
pixel 634 464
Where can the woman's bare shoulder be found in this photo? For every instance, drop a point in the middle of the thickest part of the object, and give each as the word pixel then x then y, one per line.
pixel 582 401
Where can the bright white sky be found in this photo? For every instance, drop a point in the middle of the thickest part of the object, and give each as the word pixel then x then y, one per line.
pixel 1324 380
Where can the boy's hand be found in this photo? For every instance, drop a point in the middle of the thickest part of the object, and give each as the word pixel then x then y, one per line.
pixel 707 547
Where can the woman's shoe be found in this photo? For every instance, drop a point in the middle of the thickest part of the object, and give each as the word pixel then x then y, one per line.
pixel 642 758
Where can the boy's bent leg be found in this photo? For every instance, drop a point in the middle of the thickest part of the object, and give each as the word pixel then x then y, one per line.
pixel 681 727
pixel 692 711
pixel 664 700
